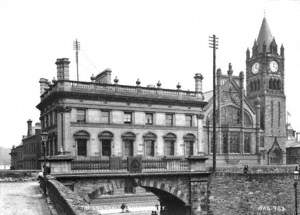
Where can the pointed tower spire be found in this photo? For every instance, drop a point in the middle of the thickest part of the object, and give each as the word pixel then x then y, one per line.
pixel 264 36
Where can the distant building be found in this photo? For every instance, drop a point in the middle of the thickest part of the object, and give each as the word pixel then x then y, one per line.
pixel 17 157
pixel 32 147
pixel 27 154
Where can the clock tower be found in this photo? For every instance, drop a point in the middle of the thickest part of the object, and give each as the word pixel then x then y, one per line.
pixel 265 86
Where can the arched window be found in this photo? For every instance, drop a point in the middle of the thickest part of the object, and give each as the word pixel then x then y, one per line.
pixel 81 138
pixel 106 138
pixel 278 83
pixel 270 84
pixel 128 141
pixel 189 144
pixel 169 144
pixel 247 119
pixel 149 144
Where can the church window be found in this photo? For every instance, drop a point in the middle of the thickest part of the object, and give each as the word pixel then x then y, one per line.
pixel 234 143
pixel 247 147
pixel 225 142
pixel 272 114
pixel 279 114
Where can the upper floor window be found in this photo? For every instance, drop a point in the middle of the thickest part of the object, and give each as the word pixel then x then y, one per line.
pixel 127 117
pixel 80 115
pixel 105 116
pixel 188 120
pixel 169 119
pixel 149 118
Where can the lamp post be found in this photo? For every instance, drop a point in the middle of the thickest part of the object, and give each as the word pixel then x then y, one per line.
pixel 44 137
pixel 296 178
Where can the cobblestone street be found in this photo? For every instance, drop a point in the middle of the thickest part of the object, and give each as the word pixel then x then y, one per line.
pixel 22 198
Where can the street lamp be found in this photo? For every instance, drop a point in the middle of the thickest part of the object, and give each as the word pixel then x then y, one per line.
pixel 296 178
pixel 44 137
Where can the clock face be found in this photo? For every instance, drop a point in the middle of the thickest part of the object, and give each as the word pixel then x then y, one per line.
pixel 255 68
pixel 273 66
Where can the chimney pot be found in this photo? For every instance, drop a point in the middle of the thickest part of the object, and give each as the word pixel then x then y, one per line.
pixel 29 128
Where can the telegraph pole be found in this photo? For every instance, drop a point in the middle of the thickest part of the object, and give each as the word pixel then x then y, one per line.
pixel 76 46
pixel 213 43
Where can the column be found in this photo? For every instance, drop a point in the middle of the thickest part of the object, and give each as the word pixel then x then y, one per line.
pixel 200 144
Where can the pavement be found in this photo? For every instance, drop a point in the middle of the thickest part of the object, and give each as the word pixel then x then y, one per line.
pixel 22 198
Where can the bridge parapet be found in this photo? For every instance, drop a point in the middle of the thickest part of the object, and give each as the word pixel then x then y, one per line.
pixel 64 164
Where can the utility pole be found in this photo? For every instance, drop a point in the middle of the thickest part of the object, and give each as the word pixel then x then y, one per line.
pixel 76 46
pixel 213 43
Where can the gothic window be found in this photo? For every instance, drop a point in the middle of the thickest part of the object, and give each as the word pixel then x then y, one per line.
pixel 262 141
pixel 272 114
pixel 225 142
pixel 279 111
pixel 258 84
pixel 169 144
pixel 149 144
pixel 81 138
pixel 106 138
pixel 128 141
pixel 230 115
pixel 189 143
pixel 247 147
pixel 270 84
pixel 234 143
pixel 247 120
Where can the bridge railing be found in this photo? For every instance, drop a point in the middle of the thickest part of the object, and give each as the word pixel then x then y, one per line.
pixel 118 164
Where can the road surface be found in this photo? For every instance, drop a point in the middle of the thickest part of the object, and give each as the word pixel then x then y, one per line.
pixel 22 198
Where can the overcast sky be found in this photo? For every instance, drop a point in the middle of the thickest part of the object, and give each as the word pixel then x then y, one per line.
pixel 152 40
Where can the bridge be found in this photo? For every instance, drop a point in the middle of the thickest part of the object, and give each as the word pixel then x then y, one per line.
pixel 181 184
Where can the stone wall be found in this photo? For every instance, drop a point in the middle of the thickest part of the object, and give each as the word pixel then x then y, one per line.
pixel 261 191
pixel 67 202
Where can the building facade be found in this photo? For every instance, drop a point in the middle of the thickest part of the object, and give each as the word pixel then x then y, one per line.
pixel 101 119
pixel 105 119
pixel 27 154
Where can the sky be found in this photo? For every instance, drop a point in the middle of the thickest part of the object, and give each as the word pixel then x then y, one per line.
pixel 152 40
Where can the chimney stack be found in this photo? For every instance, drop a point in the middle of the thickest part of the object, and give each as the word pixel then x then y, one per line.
pixel 29 128
pixel 198 82
pixel 103 77
pixel 44 85
pixel 62 68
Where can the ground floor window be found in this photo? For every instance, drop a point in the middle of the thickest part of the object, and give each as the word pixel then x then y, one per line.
pixel 169 147
pixel 106 147
pixel 128 145
pixel 149 148
pixel 189 147
pixel 81 147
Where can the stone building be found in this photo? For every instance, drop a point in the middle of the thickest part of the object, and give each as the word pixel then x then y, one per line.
pixel 27 154
pixel 32 146
pixel 251 126
pixel 16 156
pixel 103 119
